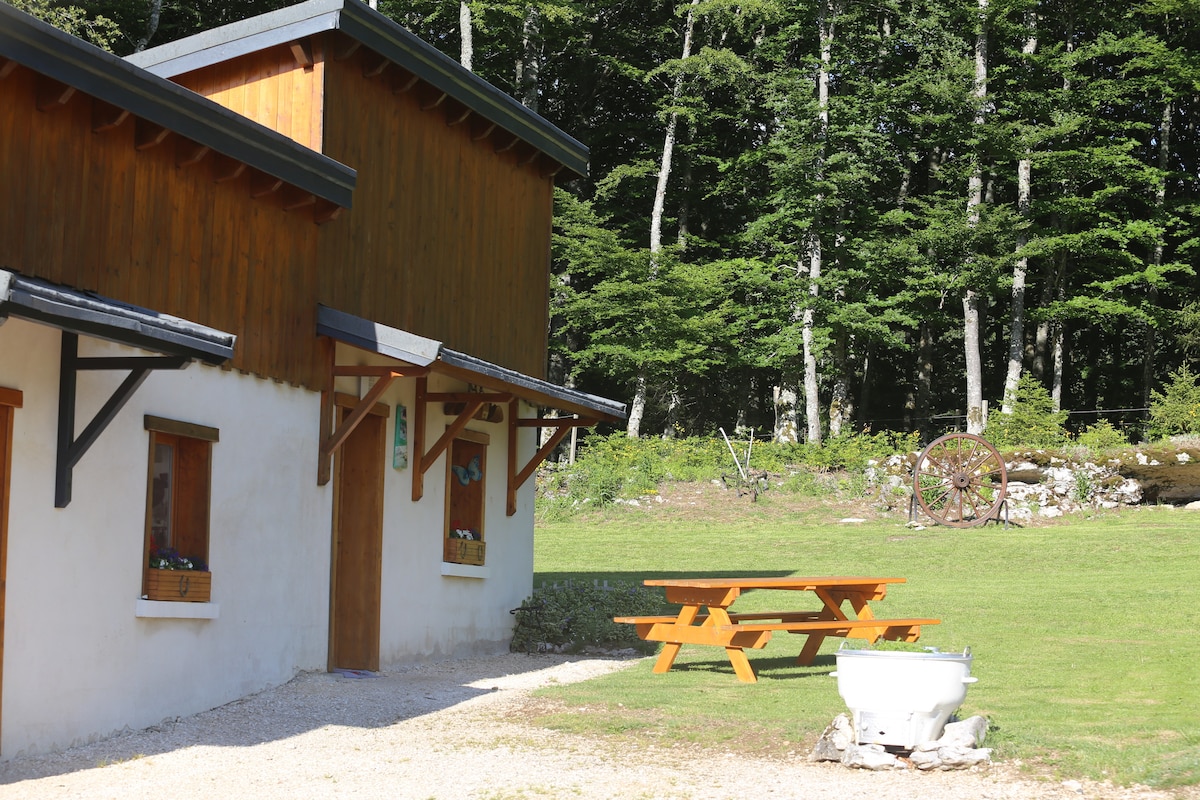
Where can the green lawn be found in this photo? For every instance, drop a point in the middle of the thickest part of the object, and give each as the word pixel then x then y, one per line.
pixel 1086 634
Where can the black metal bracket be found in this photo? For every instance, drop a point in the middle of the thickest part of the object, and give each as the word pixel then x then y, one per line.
pixel 70 448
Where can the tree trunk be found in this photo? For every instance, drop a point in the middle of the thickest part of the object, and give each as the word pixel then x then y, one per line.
pixel 674 407
pixel 974 201
pixel 812 401
pixel 924 380
pixel 974 367
pixel 864 392
pixel 529 67
pixel 1016 331
pixel 467 51
pixel 840 408
pixel 637 408
pixel 787 421
pixel 151 26
pixel 664 165
pixel 633 427
pixel 1160 202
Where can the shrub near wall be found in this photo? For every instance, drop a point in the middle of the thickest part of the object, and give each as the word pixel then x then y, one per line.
pixel 571 616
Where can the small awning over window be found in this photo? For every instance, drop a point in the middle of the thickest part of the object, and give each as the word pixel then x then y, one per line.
pixel 422 352
pixel 99 317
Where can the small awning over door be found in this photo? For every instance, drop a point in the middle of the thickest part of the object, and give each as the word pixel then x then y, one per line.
pixel 418 356
pixel 422 352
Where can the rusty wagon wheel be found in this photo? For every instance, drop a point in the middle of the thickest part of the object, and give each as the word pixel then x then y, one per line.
pixel 960 480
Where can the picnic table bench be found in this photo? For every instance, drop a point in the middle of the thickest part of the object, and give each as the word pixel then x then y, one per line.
pixel 736 631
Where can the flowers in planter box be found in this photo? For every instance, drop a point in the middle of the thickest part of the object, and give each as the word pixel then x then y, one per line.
pixel 169 558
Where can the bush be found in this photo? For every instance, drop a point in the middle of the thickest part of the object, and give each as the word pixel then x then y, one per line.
pixel 572 616
pixel 615 467
pixel 1033 421
pixel 1101 437
pixel 1176 411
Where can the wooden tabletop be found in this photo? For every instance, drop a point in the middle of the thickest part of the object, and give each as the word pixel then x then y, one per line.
pixel 785 582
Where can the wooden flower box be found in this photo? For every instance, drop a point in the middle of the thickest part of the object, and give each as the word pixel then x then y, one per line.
pixel 463 551
pixel 180 585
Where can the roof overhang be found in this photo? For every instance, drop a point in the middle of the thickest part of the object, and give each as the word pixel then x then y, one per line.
pixel 386 38
pixel 118 82
pixel 423 352
pixel 99 317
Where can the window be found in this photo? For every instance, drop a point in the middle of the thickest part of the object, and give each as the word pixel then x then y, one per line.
pixel 177 508
pixel 466 464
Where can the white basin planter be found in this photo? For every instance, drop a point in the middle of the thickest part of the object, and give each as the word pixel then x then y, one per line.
pixel 899 698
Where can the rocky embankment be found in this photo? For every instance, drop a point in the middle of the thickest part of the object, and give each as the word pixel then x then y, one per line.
pixel 1046 484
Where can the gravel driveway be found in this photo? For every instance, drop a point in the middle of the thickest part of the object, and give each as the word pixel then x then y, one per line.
pixel 454 730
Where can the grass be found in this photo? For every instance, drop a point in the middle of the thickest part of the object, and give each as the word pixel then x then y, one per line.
pixel 1085 634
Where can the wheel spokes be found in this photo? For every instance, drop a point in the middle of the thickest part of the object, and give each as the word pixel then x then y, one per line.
pixel 960 480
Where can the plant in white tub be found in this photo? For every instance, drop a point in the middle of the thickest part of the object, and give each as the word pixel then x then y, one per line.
pixel 902 698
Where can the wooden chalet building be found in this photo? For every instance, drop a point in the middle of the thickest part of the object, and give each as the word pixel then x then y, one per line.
pixel 273 297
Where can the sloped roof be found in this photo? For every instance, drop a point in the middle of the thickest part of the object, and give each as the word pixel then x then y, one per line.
pixel 384 37
pixel 91 314
pixel 423 352
pixel 73 62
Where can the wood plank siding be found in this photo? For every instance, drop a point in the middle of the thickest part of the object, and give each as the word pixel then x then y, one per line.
pixel 448 237
pixel 85 207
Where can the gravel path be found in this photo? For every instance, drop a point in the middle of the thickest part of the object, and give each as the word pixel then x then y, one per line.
pixel 455 730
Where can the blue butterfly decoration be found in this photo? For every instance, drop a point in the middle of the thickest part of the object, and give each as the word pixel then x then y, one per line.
pixel 471 472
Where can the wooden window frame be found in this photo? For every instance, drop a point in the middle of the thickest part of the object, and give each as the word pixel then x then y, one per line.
pixel 190 488
pixel 466 504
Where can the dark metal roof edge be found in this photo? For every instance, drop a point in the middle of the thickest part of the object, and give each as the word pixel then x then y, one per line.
pixel 402 47
pixel 103 318
pixel 76 63
pixel 390 40
pixel 601 405
pixel 376 338
pixel 238 39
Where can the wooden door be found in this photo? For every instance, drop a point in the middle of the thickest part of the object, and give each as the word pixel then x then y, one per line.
pixel 9 399
pixel 357 544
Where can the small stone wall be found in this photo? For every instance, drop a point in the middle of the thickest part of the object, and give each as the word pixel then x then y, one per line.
pixel 1044 484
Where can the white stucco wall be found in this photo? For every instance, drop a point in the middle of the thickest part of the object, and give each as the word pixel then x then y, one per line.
pixel 78 661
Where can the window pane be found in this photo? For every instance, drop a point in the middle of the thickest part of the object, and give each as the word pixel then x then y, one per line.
pixel 160 505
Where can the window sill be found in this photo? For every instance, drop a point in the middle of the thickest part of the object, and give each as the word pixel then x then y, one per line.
pixel 450 570
pixel 163 609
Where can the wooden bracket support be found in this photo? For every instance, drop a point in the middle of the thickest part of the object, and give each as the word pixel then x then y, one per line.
pixel 72 448
pixel 562 426
pixel 471 402
pixel 332 439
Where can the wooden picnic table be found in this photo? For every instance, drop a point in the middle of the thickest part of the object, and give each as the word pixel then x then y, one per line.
pixel 736 631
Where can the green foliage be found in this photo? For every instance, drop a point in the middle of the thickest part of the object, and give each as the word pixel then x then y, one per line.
pixel 1176 409
pixel 618 467
pixel 853 451
pixel 1101 437
pixel 1033 421
pixel 575 615
pixel 75 20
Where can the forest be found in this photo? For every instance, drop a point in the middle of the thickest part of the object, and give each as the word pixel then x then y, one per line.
pixel 810 217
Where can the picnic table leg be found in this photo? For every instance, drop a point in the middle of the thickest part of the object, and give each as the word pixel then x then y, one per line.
pixel 833 610
pixel 687 615
pixel 667 657
pixel 737 656
pixel 741 665
pixel 809 652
